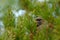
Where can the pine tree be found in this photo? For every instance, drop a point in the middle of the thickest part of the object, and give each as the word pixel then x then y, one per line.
pixel 41 20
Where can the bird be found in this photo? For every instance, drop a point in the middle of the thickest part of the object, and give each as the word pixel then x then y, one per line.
pixel 39 21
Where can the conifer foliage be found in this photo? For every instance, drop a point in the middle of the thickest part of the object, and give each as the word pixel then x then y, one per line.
pixel 41 20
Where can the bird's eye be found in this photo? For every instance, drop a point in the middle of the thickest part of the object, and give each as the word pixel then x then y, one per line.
pixel 38 19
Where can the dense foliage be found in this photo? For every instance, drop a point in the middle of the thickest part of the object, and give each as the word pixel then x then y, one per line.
pixel 24 27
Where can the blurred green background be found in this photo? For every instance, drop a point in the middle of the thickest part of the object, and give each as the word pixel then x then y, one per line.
pixel 18 19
